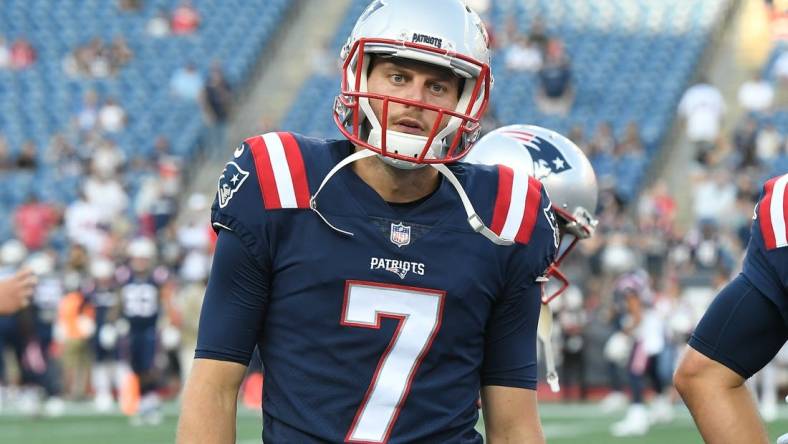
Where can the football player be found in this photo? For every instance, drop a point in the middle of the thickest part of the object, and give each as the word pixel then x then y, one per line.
pixel 101 293
pixel 742 330
pixel 384 296
pixel 142 300
pixel 570 181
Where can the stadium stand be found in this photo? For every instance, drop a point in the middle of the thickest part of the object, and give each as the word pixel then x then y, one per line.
pixel 40 101
pixel 631 62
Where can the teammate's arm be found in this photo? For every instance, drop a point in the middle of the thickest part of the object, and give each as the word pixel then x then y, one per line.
pixel 511 415
pixel 230 323
pixel 509 370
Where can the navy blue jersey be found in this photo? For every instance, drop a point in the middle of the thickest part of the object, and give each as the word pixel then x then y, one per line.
pixel 385 334
pixel 104 299
pixel 766 262
pixel 46 299
pixel 140 296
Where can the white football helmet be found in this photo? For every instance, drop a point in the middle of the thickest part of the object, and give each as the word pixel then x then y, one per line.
pixel 444 33
pixel 12 253
pixel 564 171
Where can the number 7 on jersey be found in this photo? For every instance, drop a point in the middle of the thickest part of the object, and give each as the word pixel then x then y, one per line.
pixel 419 312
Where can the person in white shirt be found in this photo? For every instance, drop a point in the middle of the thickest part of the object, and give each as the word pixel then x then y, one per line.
pixel 703 107
pixel 112 116
pixel 756 94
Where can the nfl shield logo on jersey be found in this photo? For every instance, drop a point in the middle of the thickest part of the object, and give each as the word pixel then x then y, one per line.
pixel 400 234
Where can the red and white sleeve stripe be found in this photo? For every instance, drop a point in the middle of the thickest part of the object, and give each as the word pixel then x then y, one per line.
pixel 280 171
pixel 773 212
pixel 517 205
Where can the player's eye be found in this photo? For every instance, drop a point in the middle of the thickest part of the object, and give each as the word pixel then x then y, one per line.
pixel 397 79
pixel 438 88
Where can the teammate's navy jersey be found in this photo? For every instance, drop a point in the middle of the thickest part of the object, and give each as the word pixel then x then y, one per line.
pixel 766 262
pixel 103 298
pixel 46 299
pixel 385 335
pixel 139 295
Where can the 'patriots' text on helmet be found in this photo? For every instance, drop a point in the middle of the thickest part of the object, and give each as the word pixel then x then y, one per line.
pixel 443 33
pixel 562 168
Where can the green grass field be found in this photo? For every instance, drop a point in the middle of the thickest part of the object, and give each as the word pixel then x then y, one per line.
pixel 572 423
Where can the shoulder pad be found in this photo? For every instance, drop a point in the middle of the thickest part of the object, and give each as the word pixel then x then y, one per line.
pixel 280 170
pixel 772 211
pixel 517 205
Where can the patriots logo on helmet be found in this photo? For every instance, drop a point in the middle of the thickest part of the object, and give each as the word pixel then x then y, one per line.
pixel 230 181
pixel 546 157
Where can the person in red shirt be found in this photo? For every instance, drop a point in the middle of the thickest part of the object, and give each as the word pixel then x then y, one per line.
pixel 185 18
pixel 34 220
pixel 22 54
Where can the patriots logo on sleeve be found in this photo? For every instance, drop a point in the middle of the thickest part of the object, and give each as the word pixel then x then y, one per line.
pixel 230 181
pixel 546 157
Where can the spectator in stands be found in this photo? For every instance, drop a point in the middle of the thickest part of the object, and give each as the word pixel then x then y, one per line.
pixel 703 107
pixel 187 83
pixel 744 137
pixel 325 61
pixel 555 93
pixel 119 54
pixel 63 157
pixel 108 195
pixel 159 25
pixel 217 99
pixel 129 5
pixel 185 19
pixel 5 54
pixel 97 58
pixel 538 36
pixel 6 163
pixel 656 214
pixel 714 195
pixel 33 221
pixel 84 223
pixel 22 54
pixel 768 143
pixel 112 116
pixel 28 157
pixel 87 115
pixel 781 162
pixel 522 55
pixel 601 154
pixel 756 94
pixel 577 135
pixel 167 165
pixel 107 159
pixel 780 69
pixel 630 162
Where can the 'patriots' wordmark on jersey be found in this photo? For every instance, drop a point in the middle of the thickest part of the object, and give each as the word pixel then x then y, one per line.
pixel 396 266
pixel 230 181
pixel 773 212
pixel 546 157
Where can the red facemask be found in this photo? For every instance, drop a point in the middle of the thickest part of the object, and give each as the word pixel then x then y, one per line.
pixel 349 116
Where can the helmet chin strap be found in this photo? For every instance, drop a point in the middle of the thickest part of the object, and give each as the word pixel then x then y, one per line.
pixel 473 218
pixel 405 142
pixel 358 155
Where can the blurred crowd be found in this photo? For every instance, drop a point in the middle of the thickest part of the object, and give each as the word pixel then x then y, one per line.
pixel 641 282
pixel 118 218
